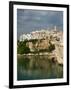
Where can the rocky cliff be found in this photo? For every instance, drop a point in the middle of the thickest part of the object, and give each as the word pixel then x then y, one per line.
pixel 44 45
pixel 38 45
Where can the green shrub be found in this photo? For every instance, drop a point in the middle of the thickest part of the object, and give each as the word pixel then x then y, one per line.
pixel 22 48
pixel 51 48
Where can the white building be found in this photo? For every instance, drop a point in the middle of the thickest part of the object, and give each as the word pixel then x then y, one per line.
pixel 42 34
pixel 25 36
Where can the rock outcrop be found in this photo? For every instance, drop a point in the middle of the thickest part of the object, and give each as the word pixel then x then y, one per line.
pixel 44 44
pixel 40 44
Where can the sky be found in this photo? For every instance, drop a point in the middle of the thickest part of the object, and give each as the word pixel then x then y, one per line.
pixel 32 20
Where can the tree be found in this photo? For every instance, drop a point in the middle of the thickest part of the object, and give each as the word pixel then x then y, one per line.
pixel 22 48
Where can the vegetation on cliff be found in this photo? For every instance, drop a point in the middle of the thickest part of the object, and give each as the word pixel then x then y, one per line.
pixel 51 47
pixel 22 47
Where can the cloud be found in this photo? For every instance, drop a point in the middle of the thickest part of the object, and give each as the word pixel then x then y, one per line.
pixel 28 20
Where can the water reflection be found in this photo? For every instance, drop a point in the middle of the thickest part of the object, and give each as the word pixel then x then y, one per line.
pixel 37 67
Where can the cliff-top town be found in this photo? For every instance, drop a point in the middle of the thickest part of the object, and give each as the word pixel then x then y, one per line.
pixel 44 37
pixel 43 34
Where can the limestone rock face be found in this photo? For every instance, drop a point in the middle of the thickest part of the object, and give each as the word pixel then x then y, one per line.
pixel 59 53
pixel 44 44
pixel 40 44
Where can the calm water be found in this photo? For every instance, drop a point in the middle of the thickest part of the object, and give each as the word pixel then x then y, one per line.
pixel 37 67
